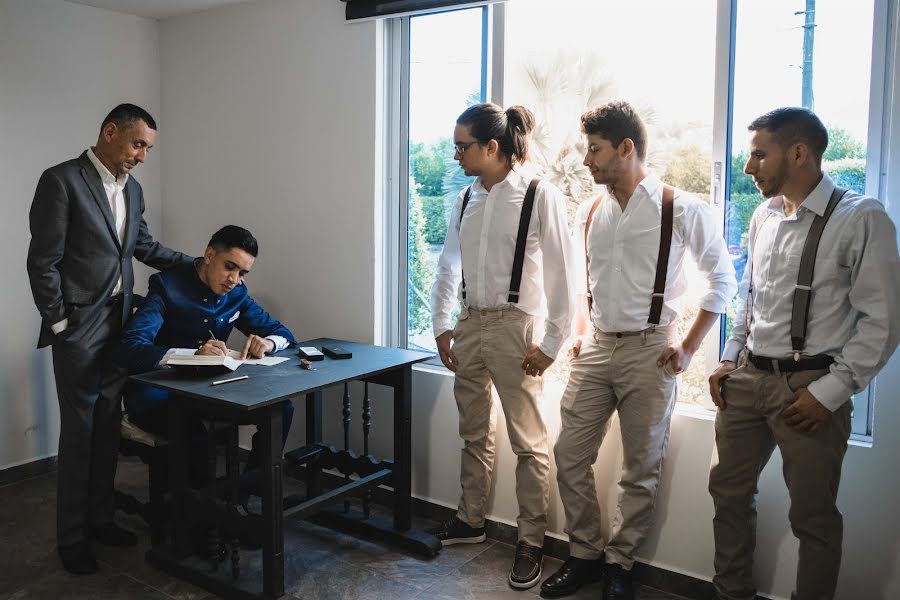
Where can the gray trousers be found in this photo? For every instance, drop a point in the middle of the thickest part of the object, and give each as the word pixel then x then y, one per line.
pixel 747 432
pixel 89 388
pixel 490 346
pixel 614 374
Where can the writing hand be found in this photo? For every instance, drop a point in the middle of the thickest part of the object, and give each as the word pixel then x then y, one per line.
pixel 213 348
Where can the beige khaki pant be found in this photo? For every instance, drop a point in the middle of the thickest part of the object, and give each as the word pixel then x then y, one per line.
pixel 614 374
pixel 490 346
pixel 747 432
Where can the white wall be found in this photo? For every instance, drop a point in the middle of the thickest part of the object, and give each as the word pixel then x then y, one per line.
pixel 62 68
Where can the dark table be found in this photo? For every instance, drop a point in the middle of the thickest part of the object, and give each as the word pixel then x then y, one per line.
pixel 257 401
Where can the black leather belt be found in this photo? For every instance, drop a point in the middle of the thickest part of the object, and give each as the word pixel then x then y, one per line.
pixel 772 365
pixel 112 300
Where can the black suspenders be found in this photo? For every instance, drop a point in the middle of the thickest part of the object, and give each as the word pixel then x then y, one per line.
pixel 515 281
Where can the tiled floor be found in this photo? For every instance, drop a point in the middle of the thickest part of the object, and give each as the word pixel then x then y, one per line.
pixel 319 563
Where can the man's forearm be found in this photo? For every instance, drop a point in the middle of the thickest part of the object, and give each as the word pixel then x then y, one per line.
pixel 701 326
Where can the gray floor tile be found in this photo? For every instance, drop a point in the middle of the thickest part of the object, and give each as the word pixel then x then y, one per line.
pixel 319 563
pixel 95 587
pixel 338 580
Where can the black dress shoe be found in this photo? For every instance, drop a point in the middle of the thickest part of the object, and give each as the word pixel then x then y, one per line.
pixel 78 558
pixel 110 534
pixel 618 585
pixel 573 574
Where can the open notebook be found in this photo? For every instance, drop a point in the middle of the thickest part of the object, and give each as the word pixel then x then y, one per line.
pixel 185 357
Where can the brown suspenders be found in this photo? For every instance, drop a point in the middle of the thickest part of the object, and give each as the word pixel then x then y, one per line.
pixel 803 291
pixel 515 281
pixel 662 259
pixel 587 271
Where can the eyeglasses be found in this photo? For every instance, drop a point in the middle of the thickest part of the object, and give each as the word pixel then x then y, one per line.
pixel 461 147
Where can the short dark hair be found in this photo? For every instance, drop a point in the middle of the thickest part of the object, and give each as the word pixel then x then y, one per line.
pixel 232 236
pixel 794 125
pixel 509 127
pixel 616 121
pixel 124 115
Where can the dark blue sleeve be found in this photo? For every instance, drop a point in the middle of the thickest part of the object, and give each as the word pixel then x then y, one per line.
pixel 136 349
pixel 255 320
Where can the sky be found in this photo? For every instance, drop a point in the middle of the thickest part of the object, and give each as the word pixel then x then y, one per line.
pixel 654 53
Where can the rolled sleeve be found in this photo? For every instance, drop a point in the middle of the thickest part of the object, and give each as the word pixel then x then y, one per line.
pixel 445 289
pixel 708 248
pixel 556 252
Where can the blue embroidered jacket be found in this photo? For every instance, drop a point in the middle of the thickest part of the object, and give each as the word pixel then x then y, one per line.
pixel 180 312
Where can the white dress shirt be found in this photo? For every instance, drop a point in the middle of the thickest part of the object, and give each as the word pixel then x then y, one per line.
pixel 853 314
pixel 115 194
pixel 624 246
pixel 485 246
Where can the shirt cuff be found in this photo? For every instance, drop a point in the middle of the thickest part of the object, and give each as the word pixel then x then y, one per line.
pixel 58 328
pixel 714 303
pixel 550 346
pixel 441 326
pixel 732 350
pixel 280 342
pixel 830 392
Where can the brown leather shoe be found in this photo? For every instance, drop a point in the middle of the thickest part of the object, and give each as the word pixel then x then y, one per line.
pixel 526 570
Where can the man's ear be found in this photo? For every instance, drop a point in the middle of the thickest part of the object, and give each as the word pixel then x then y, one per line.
pixel 799 154
pixel 109 131
pixel 208 255
pixel 493 147
pixel 626 148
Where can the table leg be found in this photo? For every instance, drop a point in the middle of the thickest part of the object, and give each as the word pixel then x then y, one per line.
pixel 402 477
pixel 270 431
pixel 313 437
pixel 178 475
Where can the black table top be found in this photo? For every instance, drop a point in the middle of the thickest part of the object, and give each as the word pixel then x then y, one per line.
pixel 266 385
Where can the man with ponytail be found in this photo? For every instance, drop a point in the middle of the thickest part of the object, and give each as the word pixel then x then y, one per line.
pixel 634 241
pixel 504 262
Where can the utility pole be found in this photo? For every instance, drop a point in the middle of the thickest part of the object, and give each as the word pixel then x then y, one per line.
pixel 809 28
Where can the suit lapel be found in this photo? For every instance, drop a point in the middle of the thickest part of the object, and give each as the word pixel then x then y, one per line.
pixel 94 183
pixel 130 217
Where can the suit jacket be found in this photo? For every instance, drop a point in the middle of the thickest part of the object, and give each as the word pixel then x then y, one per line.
pixel 75 257
pixel 180 311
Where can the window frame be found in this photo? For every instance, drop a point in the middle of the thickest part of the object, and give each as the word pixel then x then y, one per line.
pixel 396 150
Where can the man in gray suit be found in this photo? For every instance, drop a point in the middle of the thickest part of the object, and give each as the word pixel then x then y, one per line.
pixel 86 225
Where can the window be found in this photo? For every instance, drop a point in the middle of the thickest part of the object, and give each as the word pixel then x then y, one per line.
pixel 696 92
pixel 806 60
pixel 447 73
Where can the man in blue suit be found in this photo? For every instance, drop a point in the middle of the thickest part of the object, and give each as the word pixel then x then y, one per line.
pixel 196 306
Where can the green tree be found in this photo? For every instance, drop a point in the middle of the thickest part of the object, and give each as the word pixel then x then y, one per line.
pixel 841 144
pixel 419 278
pixel 688 169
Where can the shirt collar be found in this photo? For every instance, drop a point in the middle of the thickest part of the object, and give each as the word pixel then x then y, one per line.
pixel 653 186
pixel 513 178
pixel 816 201
pixel 104 173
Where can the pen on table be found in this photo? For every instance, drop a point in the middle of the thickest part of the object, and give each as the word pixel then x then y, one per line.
pixel 221 381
